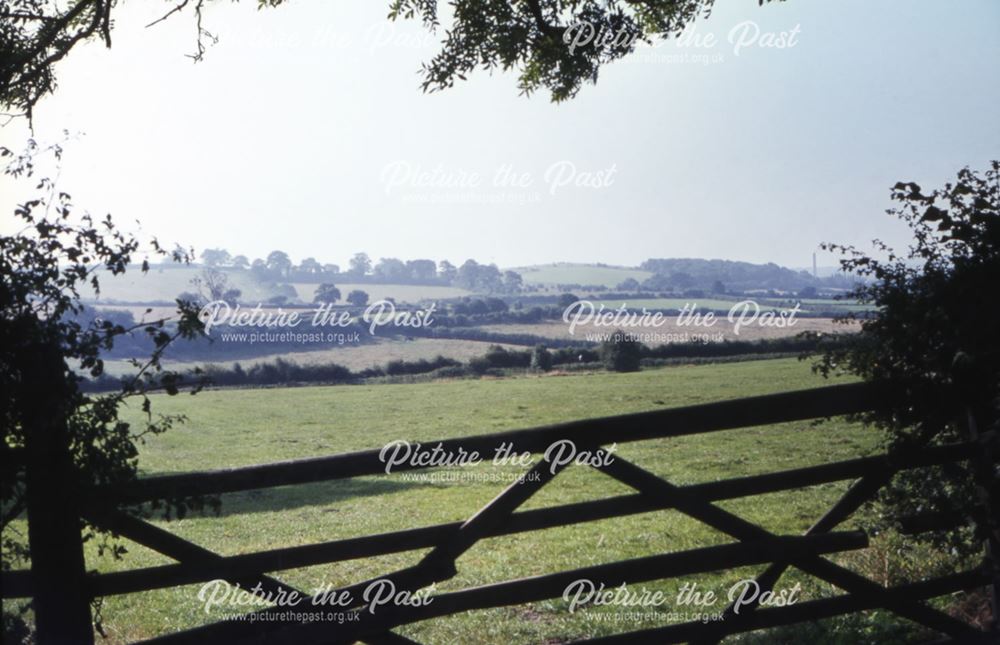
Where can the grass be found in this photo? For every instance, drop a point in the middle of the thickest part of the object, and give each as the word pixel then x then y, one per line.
pixel 243 427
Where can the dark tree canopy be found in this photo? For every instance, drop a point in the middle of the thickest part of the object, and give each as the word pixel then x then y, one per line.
pixel 554 45
pixel 933 345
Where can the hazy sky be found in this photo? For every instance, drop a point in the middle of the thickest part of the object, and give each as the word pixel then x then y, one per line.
pixel 305 130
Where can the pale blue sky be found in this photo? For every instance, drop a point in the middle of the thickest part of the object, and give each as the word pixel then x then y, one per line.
pixel 282 137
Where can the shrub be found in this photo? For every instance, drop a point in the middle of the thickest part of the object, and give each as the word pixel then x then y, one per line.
pixel 541 359
pixel 621 353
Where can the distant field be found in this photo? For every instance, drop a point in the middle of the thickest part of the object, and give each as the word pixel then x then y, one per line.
pixel 669 303
pixel 560 330
pixel 354 357
pixel 166 284
pixel 834 307
pixel 401 292
pixel 161 284
pixel 242 427
pixel 579 274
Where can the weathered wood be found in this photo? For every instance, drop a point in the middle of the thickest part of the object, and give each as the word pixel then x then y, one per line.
pixel 58 569
pixel 739 528
pixel 859 493
pixel 233 567
pixel 985 464
pixel 175 547
pixel 657 567
pixel 723 415
pixel 538 588
pixel 806 611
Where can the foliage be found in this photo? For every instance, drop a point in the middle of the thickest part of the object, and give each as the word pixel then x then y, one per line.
pixel 58 254
pixel 213 285
pixel 541 359
pixel 326 293
pixel 551 44
pixel 934 343
pixel 358 298
pixel 621 352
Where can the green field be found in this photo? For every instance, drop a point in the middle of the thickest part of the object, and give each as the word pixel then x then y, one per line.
pixel 242 427
pixel 590 274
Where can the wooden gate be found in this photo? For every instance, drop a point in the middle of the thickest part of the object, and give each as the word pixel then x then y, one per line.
pixel 753 544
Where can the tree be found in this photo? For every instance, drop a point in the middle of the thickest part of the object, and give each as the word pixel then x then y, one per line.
pixel 215 257
pixel 718 287
pixel 566 299
pixel 512 282
pixel 240 262
pixel 628 284
pixel 279 262
pixel 551 44
pixel 331 269
pixel 681 280
pixel 808 292
pixel 259 269
pixel 421 270
pixel 541 359
pixel 447 271
pixel 213 284
pixel 358 298
pixel 310 265
pixel 468 274
pixel 326 293
pixel 933 345
pixel 46 348
pixel 361 264
pixel 621 352
pixel 390 270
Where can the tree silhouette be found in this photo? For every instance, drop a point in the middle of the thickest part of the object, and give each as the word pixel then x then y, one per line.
pixel 551 44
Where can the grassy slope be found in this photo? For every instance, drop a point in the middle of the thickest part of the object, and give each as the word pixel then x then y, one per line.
pixel 233 428
pixel 566 273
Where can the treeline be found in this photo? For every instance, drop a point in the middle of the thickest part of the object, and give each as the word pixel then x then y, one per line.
pixel 719 276
pixel 497 360
pixel 279 267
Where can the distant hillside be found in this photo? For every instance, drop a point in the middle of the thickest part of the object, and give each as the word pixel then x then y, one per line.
pixel 735 276
pixel 567 273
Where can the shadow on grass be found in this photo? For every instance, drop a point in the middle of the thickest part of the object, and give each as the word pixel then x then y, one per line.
pixel 319 494
pixel 285 498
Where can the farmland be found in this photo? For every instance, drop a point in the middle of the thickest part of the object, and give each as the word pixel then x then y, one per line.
pixel 242 427
pixel 353 357
pixel 589 274
pixel 560 330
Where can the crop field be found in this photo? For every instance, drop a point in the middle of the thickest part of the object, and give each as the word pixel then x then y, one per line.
pixel 353 357
pixel 716 303
pixel 566 273
pixel 560 330
pixel 243 427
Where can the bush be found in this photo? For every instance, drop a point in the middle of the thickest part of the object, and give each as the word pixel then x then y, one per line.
pixel 621 353
pixel 541 359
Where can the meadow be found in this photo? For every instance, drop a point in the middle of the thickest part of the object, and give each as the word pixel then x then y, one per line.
pixel 242 427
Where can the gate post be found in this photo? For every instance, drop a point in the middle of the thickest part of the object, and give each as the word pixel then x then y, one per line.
pixel 986 481
pixel 58 569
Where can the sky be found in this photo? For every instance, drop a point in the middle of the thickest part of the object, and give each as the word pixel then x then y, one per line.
pixel 304 129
